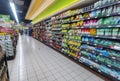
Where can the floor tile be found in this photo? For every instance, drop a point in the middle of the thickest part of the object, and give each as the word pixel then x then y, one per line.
pixel 72 80
pixel 43 79
pixel 68 77
pixel 61 79
pixel 37 62
pixel 33 79
pixel 51 78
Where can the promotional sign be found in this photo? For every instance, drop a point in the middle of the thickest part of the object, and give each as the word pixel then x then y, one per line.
pixel 5 20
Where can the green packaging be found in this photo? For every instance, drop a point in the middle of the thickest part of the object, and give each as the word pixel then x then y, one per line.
pixel 118 8
pixel 108 31
pixel 101 22
pixel 115 31
pixel 119 33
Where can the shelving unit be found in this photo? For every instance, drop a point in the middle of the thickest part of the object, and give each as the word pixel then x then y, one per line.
pixel 4 74
pixel 48 31
pixel 56 33
pixel 90 35
pixel 9 43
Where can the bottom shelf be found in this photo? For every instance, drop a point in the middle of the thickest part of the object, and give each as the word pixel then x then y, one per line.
pixel 99 68
pixel 3 75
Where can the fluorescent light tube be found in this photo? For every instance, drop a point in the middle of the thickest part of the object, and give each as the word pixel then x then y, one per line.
pixel 12 5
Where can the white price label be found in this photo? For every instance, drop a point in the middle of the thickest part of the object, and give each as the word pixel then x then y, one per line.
pixel 109 65
pixel 91 67
pixel 114 37
pixel 99 71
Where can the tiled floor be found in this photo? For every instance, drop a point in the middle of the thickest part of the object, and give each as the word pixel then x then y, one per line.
pixel 36 62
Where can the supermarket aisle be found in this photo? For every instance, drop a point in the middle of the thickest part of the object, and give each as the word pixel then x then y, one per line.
pixel 37 62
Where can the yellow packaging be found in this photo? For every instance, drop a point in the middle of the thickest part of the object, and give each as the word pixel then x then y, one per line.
pixel 93 31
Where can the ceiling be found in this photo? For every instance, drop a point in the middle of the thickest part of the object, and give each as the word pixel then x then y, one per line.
pixel 21 9
pixel 40 10
pixel 5 8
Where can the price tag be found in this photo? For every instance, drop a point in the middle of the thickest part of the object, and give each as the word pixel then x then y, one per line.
pixel 109 26
pixel 113 57
pixel 114 37
pixel 91 67
pixel 97 26
pixel 109 65
pixel 80 61
pixel 88 57
pixel 99 71
pixel 95 44
pixel 118 26
pixel 96 60
pixel 93 51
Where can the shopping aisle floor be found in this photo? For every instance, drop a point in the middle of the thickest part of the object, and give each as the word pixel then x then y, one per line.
pixel 37 62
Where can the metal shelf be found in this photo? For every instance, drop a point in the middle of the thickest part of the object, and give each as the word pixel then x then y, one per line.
pixel 97 70
pixel 99 62
pixel 103 6
pixel 105 37
pixel 94 44
pixel 98 53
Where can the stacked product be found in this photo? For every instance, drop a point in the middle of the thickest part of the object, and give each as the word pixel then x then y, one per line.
pixel 100 36
pixel 56 33
pixel 91 35
pixel 48 32
pixel 43 32
pixel 7 44
pixel 2 38
pixel 104 43
pixel 36 32
pixel 71 40
pixel 65 48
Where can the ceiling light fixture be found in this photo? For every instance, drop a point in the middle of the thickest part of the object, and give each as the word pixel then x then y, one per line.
pixel 12 5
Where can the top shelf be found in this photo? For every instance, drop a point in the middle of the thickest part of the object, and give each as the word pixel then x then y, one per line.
pixel 104 6
pixel 111 4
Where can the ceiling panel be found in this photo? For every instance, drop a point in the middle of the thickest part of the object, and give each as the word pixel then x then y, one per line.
pixel 19 2
pixel 21 8
pixel 5 8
